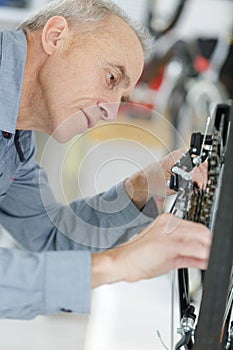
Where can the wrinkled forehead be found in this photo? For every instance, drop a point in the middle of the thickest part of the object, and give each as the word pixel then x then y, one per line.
pixel 122 44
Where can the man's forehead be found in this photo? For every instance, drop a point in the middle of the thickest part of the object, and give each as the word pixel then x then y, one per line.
pixel 120 31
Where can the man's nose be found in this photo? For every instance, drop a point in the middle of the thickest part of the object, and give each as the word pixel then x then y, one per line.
pixel 109 110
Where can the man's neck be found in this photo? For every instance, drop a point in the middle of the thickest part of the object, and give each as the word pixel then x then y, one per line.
pixel 30 110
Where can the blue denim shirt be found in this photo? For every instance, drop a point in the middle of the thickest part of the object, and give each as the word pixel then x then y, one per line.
pixel 52 271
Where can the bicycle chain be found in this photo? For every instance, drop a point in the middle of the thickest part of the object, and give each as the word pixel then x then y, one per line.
pixel 201 202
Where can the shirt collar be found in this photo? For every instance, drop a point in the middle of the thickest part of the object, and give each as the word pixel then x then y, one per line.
pixel 13 47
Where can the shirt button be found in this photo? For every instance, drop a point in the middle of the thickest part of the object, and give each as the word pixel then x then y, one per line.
pixel 6 134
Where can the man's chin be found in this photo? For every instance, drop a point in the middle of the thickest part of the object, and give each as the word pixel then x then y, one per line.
pixel 72 126
pixel 65 136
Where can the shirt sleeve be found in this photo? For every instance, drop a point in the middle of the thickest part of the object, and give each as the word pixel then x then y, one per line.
pixel 52 273
pixel 38 222
pixel 46 283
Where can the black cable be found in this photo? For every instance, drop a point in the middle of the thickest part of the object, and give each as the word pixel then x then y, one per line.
pixel 17 146
pixel 183 341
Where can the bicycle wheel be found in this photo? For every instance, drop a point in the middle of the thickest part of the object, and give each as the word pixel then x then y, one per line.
pixel 211 332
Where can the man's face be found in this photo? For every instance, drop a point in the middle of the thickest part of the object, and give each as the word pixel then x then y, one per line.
pixel 87 82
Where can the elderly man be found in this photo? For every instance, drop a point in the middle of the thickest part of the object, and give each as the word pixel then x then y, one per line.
pixel 66 68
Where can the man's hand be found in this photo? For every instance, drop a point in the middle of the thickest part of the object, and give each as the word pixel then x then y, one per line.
pixel 168 243
pixel 153 180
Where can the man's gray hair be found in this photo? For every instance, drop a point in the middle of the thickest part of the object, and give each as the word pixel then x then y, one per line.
pixel 85 12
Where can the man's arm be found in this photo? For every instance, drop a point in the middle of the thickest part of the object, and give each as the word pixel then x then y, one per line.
pixel 38 222
pixel 51 282
pixel 168 243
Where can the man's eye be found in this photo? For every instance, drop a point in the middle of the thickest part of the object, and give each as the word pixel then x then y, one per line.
pixel 112 79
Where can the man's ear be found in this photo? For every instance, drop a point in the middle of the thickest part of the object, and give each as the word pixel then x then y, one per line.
pixel 54 34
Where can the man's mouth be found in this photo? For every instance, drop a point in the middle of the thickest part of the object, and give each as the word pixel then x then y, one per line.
pixel 90 123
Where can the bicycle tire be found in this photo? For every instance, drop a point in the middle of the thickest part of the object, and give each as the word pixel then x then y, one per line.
pixel 217 277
